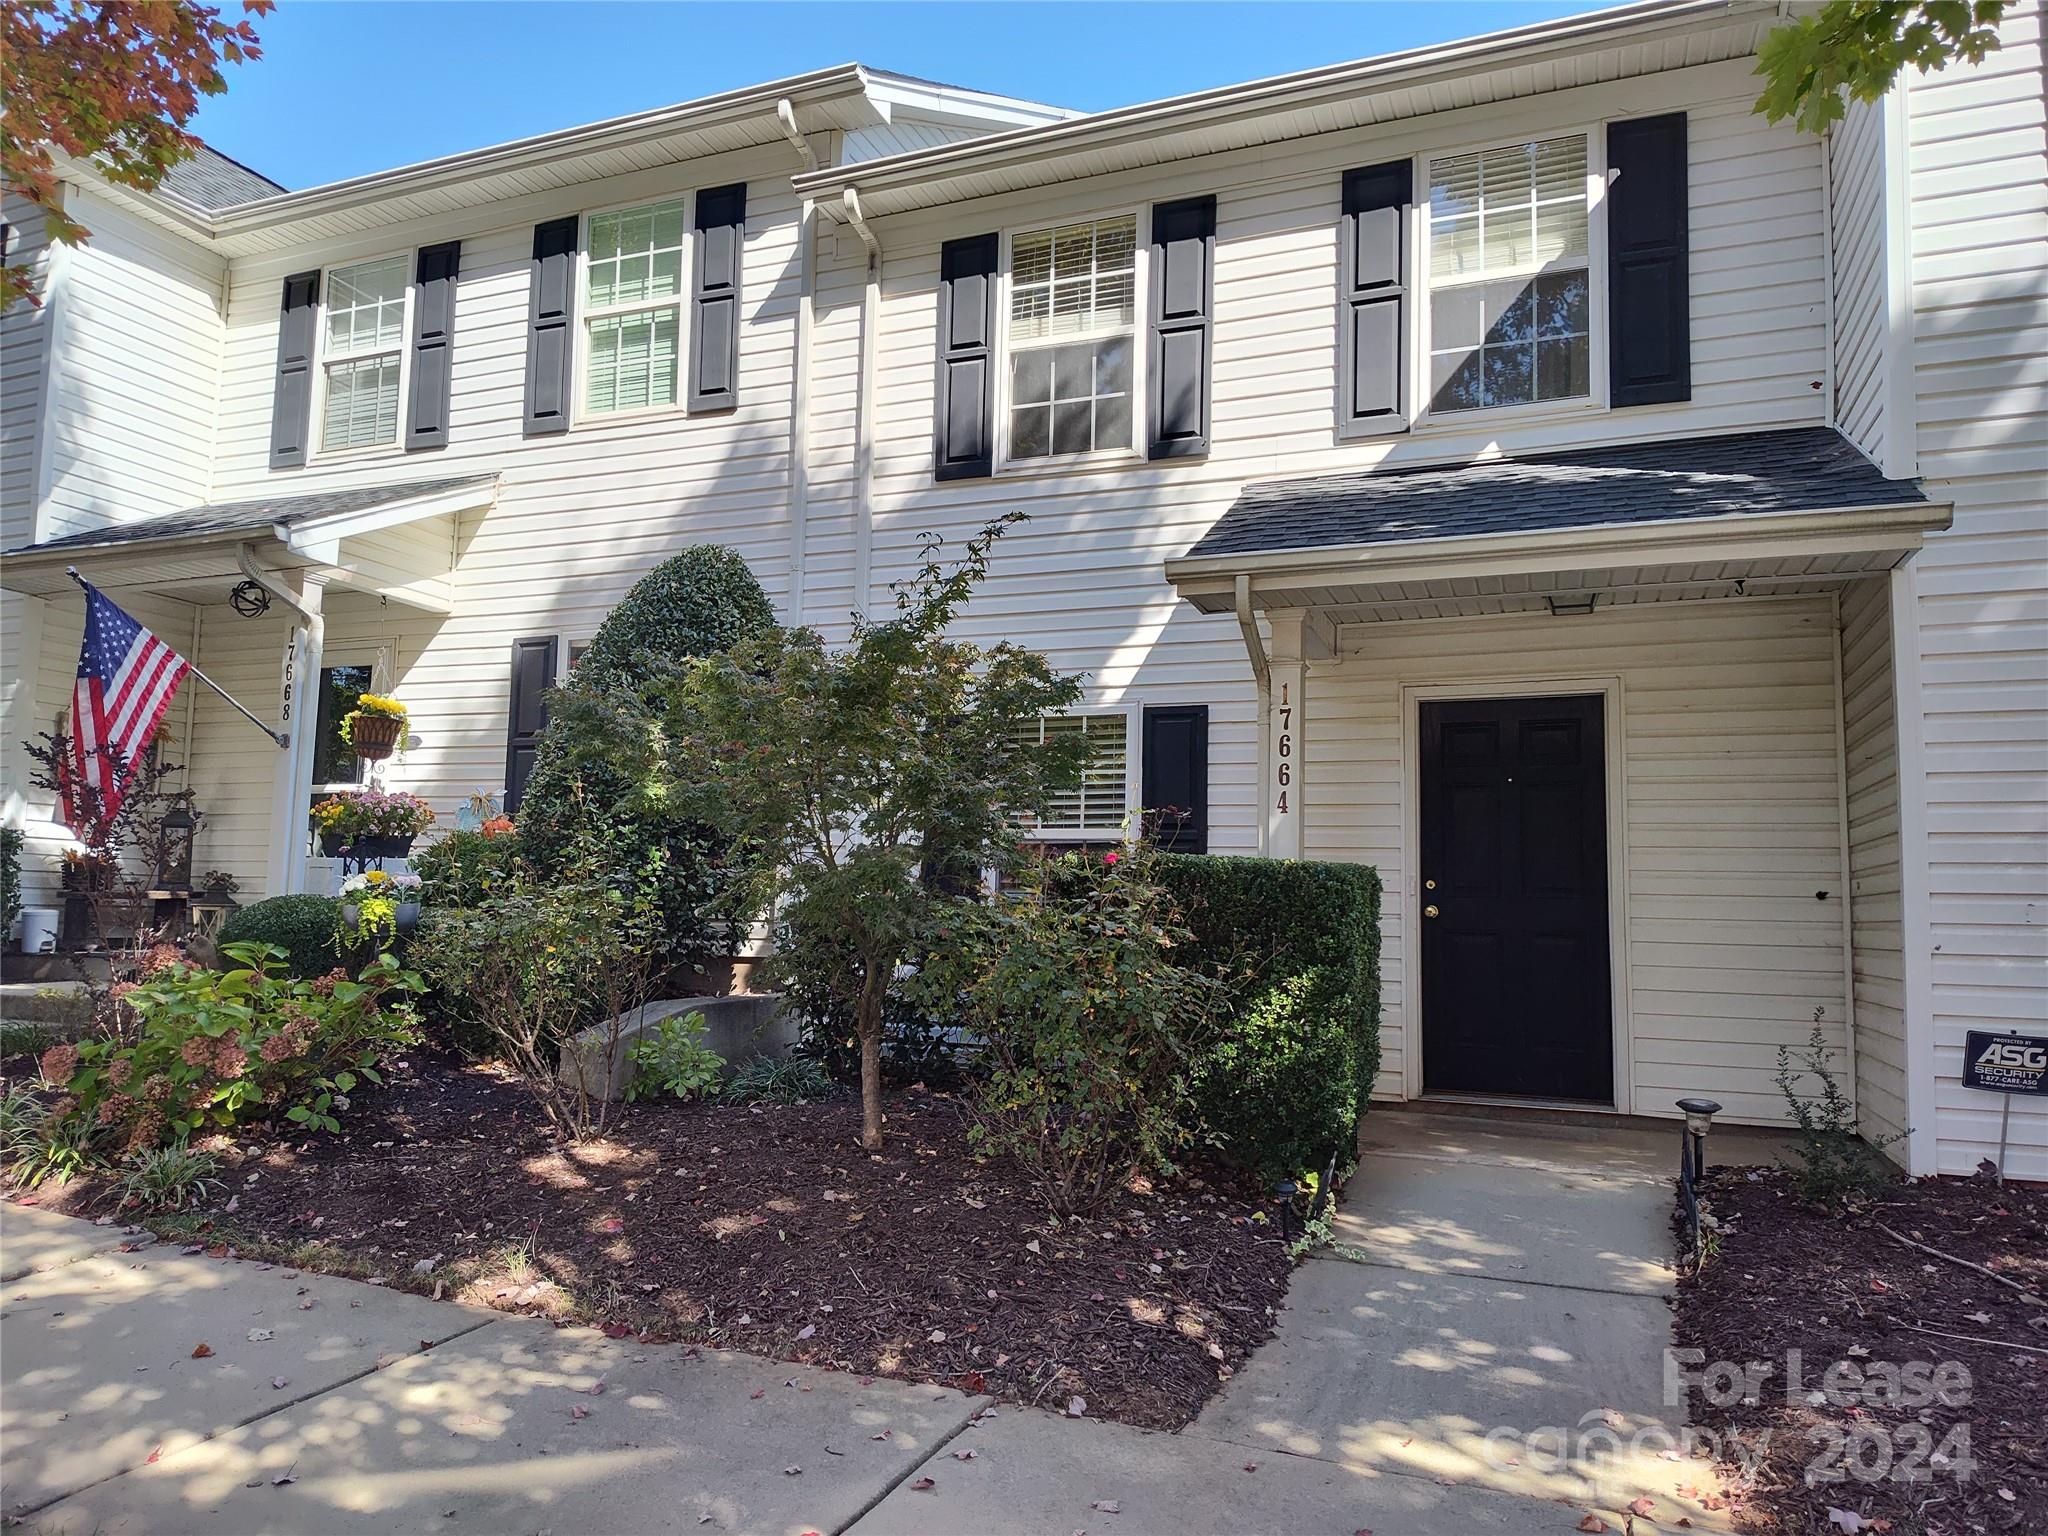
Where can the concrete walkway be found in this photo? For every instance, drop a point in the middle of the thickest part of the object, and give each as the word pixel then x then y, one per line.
pixel 1492 1282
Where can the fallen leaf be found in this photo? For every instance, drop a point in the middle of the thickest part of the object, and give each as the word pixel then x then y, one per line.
pixel 1592 1523
pixel 1846 1519
pixel 281 1479
pixel 965 1455
pixel 279 1383
pixel 261 1335
pixel 1077 1407
pixel 758 1393
pixel 595 1389
pixel 611 1224
pixel 806 1331
pixel 200 1352
pixel 1641 1506
pixel 151 1458
pixel 1251 1466
pixel 1107 1506
pixel 578 1411
pixel 792 1471
pixel 923 1485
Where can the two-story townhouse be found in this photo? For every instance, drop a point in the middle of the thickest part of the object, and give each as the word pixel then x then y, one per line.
pixel 1511 463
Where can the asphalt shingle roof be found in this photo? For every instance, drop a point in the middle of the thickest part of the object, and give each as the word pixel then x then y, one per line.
pixel 1804 469
pixel 213 181
pixel 229 516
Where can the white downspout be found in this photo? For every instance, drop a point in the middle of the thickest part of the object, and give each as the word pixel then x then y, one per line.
pixel 800 387
pixel 1262 676
pixel 864 407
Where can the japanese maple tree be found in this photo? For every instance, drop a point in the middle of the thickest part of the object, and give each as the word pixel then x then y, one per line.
pixel 1860 46
pixel 110 81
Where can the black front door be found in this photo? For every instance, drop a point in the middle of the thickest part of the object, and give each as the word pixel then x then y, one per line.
pixel 1515 990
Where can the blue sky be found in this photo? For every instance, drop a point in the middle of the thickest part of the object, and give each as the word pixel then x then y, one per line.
pixel 345 88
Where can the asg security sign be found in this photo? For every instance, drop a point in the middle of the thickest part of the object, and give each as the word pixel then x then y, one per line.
pixel 2005 1063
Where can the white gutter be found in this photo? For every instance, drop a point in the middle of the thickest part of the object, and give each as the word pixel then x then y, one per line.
pixel 864 406
pixel 800 388
pixel 264 577
pixel 1327 85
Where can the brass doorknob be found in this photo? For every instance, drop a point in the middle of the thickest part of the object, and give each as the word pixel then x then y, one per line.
pixel 1430 910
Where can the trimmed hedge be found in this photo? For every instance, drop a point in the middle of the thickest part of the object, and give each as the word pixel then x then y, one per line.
pixel 1298 944
pixel 302 926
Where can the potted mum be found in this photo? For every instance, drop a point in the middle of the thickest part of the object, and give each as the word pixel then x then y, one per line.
pixel 370 823
pixel 376 727
pixel 375 904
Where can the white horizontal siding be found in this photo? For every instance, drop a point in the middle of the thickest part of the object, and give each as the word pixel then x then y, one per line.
pixel 1856 168
pixel 1870 743
pixel 1979 196
pixel 1731 808
pixel 24 333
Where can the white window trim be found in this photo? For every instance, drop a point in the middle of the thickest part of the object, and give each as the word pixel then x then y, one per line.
pixel 1425 417
pixel 381 659
pixel 1133 714
pixel 318 431
pixel 582 415
pixel 1141 265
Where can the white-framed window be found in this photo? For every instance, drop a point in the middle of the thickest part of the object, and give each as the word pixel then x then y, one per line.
pixel 363 317
pixel 1070 375
pixel 634 284
pixel 1511 246
pixel 1098 808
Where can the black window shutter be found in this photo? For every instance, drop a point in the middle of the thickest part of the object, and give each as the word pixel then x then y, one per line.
pixel 433 344
pixel 715 299
pixel 1183 282
pixel 291 403
pixel 1649 341
pixel 533 674
pixel 964 440
pixel 551 328
pixel 1372 295
pixel 1174 776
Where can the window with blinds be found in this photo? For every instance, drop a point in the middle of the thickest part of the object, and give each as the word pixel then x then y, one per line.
pixel 1509 299
pixel 632 308
pixel 1072 325
pixel 361 351
pixel 1101 801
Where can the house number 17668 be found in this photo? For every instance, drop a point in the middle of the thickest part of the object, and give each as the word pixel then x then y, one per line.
pixel 1283 751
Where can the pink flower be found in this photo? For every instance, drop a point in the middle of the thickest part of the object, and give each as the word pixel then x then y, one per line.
pixel 59 1063
pixel 1111 858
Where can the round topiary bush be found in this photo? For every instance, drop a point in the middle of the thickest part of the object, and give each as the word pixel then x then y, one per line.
pixel 302 926
pixel 697 603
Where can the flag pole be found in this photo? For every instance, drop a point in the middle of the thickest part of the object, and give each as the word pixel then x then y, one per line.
pixel 282 738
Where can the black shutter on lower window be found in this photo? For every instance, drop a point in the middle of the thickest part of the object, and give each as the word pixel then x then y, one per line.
pixel 1372 295
pixel 551 328
pixel 433 344
pixel 291 402
pixel 1174 777
pixel 533 674
pixel 1649 333
pixel 715 299
pixel 1183 285
pixel 963 445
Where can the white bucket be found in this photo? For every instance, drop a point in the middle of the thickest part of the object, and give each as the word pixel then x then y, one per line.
pixel 38 930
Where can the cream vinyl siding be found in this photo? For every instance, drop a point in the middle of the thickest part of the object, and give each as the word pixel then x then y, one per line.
pixel 1871 771
pixel 24 347
pixel 1731 814
pixel 1856 169
pixel 1979 194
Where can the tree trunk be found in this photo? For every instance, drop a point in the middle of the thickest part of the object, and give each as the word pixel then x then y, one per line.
pixel 868 1024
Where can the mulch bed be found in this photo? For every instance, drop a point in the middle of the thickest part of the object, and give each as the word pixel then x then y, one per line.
pixel 1838 1289
pixel 766 1229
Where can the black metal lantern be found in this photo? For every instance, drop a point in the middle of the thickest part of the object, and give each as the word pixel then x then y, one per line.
pixel 178 829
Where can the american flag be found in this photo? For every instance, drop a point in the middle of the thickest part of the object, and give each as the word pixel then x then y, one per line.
pixel 126 677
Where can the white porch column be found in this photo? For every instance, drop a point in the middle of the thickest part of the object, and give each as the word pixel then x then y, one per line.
pixel 1286 730
pixel 292 770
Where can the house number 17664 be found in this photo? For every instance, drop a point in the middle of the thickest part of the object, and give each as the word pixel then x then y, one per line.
pixel 1283 751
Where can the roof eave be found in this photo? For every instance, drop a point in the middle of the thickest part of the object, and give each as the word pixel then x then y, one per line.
pixel 1410 559
pixel 1101 130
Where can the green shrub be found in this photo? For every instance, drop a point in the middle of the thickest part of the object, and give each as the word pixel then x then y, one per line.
pixel 302 926
pixel 461 868
pixel 10 876
pixel 778 1080
pixel 674 1060
pixel 169 1178
pixel 1832 1164
pixel 1297 946
pixel 811 969
pixel 1088 1019
pixel 216 1048
pixel 585 787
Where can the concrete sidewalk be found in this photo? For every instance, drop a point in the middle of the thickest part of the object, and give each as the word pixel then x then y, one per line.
pixel 1500 1282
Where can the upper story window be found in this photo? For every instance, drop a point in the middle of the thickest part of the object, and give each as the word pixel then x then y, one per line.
pixel 363 353
pixel 1509 314
pixel 1072 339
pixel 633 309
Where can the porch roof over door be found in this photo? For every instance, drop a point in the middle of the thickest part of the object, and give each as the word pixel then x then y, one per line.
pixel 1791 510
pixel 395 541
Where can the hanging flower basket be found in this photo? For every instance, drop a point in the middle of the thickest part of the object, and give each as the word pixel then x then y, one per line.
pixel 370 823
pixel 376 727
